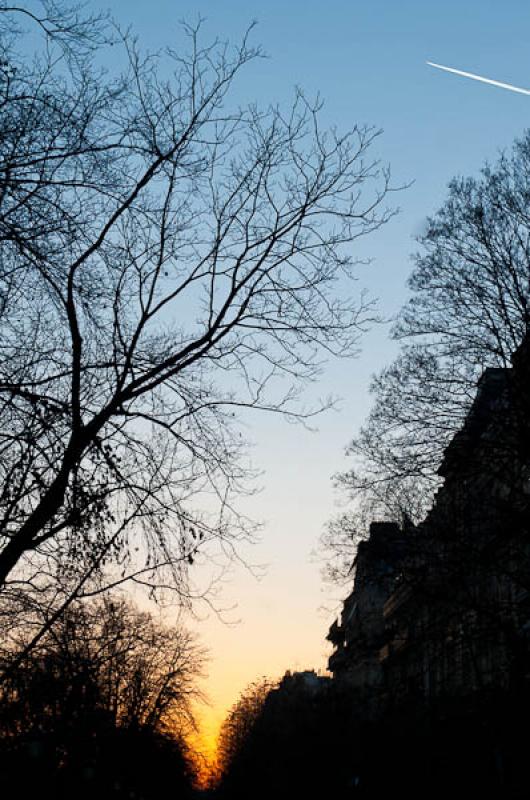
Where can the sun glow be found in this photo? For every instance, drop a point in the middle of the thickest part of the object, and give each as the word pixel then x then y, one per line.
pixel 204 745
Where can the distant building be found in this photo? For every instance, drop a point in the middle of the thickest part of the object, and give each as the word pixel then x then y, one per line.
pixel 307 681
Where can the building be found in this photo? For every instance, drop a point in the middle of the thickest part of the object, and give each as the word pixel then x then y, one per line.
pixel 360 633
pixel 443 609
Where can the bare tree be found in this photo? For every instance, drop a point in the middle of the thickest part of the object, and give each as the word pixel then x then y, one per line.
pixel 137 670
pixel 167 258
pixel 106 683
pixel 469 309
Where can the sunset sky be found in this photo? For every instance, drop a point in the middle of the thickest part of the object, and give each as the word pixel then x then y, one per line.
pixel 368 62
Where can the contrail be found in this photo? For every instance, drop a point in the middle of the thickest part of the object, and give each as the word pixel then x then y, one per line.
pixel 480 78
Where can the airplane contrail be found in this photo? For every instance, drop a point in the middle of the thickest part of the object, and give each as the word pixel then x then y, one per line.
pixel 480 78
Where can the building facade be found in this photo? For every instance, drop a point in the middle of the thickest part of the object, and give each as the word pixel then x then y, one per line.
pixel 442 609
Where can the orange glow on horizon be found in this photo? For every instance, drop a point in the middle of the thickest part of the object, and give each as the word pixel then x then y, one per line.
pixel 274 634
pixel 204 745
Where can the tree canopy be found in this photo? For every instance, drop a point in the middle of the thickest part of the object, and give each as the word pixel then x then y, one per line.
pixel 105 699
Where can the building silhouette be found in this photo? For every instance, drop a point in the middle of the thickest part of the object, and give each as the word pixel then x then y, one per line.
pixel 441 610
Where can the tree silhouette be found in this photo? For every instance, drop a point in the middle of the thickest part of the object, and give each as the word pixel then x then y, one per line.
pixel 168 258
pixel 105 699
pixel 240 721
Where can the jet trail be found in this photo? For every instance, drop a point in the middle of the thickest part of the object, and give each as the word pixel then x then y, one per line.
pixel 480 78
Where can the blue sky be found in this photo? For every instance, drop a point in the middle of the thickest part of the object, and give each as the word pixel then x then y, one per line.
pixel 367 60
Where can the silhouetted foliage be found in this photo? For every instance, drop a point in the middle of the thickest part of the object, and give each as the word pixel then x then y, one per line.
pixel 103 704
pixel 298 744
pixel 237 728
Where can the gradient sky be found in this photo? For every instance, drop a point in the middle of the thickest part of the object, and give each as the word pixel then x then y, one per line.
pixel 367 59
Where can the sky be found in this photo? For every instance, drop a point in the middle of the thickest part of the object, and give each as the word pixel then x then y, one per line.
pixel 368 62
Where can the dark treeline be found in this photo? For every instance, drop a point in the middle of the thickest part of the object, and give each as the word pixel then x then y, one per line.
pixel 324 742
pixel 296 743
pixel 101 707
